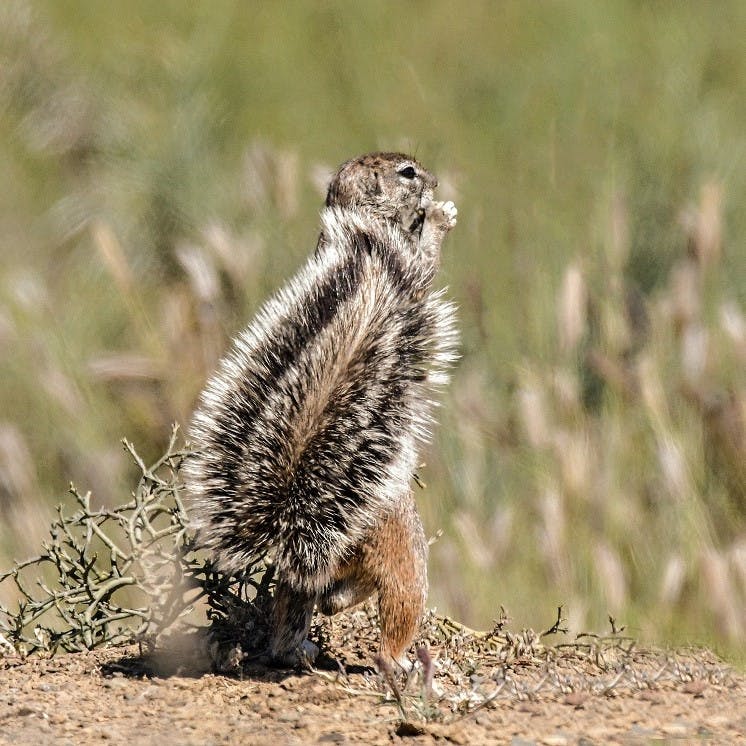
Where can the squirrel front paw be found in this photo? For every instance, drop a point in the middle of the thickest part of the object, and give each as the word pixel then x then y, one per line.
pixel 442 215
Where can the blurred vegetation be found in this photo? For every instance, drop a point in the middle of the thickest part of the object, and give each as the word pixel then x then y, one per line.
pixel 164 166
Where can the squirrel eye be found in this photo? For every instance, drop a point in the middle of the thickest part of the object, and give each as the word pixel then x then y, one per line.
pixel 407 172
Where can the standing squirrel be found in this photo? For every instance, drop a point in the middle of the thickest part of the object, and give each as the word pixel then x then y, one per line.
pixel 307 436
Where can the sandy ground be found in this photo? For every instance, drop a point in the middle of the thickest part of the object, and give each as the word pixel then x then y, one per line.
pixel 567 697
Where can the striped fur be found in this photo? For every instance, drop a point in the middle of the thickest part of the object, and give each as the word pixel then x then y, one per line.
pixel 310 429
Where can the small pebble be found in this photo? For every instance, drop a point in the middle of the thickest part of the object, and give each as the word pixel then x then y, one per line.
pixel 288 717
pixel 674 729
pixel 555 740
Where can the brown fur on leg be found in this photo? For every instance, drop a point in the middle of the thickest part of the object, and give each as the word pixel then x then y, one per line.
pixel 392 560
pixel 402 579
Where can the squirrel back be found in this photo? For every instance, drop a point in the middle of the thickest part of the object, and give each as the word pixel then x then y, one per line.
pixel 309 431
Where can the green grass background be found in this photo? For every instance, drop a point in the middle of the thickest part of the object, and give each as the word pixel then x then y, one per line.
pixel 591 448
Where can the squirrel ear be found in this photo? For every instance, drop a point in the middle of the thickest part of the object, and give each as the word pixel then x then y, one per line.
pixel 333 195
pixel 341 191
pixel 345 187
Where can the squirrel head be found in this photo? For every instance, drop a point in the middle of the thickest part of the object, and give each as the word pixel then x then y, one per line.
pixel 392 186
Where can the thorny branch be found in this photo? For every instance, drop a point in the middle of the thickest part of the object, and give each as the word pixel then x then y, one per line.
pixel 97 555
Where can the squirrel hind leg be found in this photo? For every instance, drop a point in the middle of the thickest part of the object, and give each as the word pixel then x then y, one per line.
pixel 402 581
pixel 392 561
pixel 352 585
pixel 345 593
pixel 292 610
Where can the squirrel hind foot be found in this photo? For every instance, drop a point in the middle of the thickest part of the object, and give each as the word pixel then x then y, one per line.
pixel 304 655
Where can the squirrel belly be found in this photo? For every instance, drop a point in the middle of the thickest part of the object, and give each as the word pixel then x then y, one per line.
pixel 306 438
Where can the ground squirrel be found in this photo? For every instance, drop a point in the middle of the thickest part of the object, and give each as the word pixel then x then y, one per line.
pixel 307 436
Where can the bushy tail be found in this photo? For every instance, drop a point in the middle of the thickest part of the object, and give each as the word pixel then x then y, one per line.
pixel 309 429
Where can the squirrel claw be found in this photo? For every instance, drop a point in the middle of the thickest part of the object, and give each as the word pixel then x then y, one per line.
pixel 451 213
pixel 443 214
